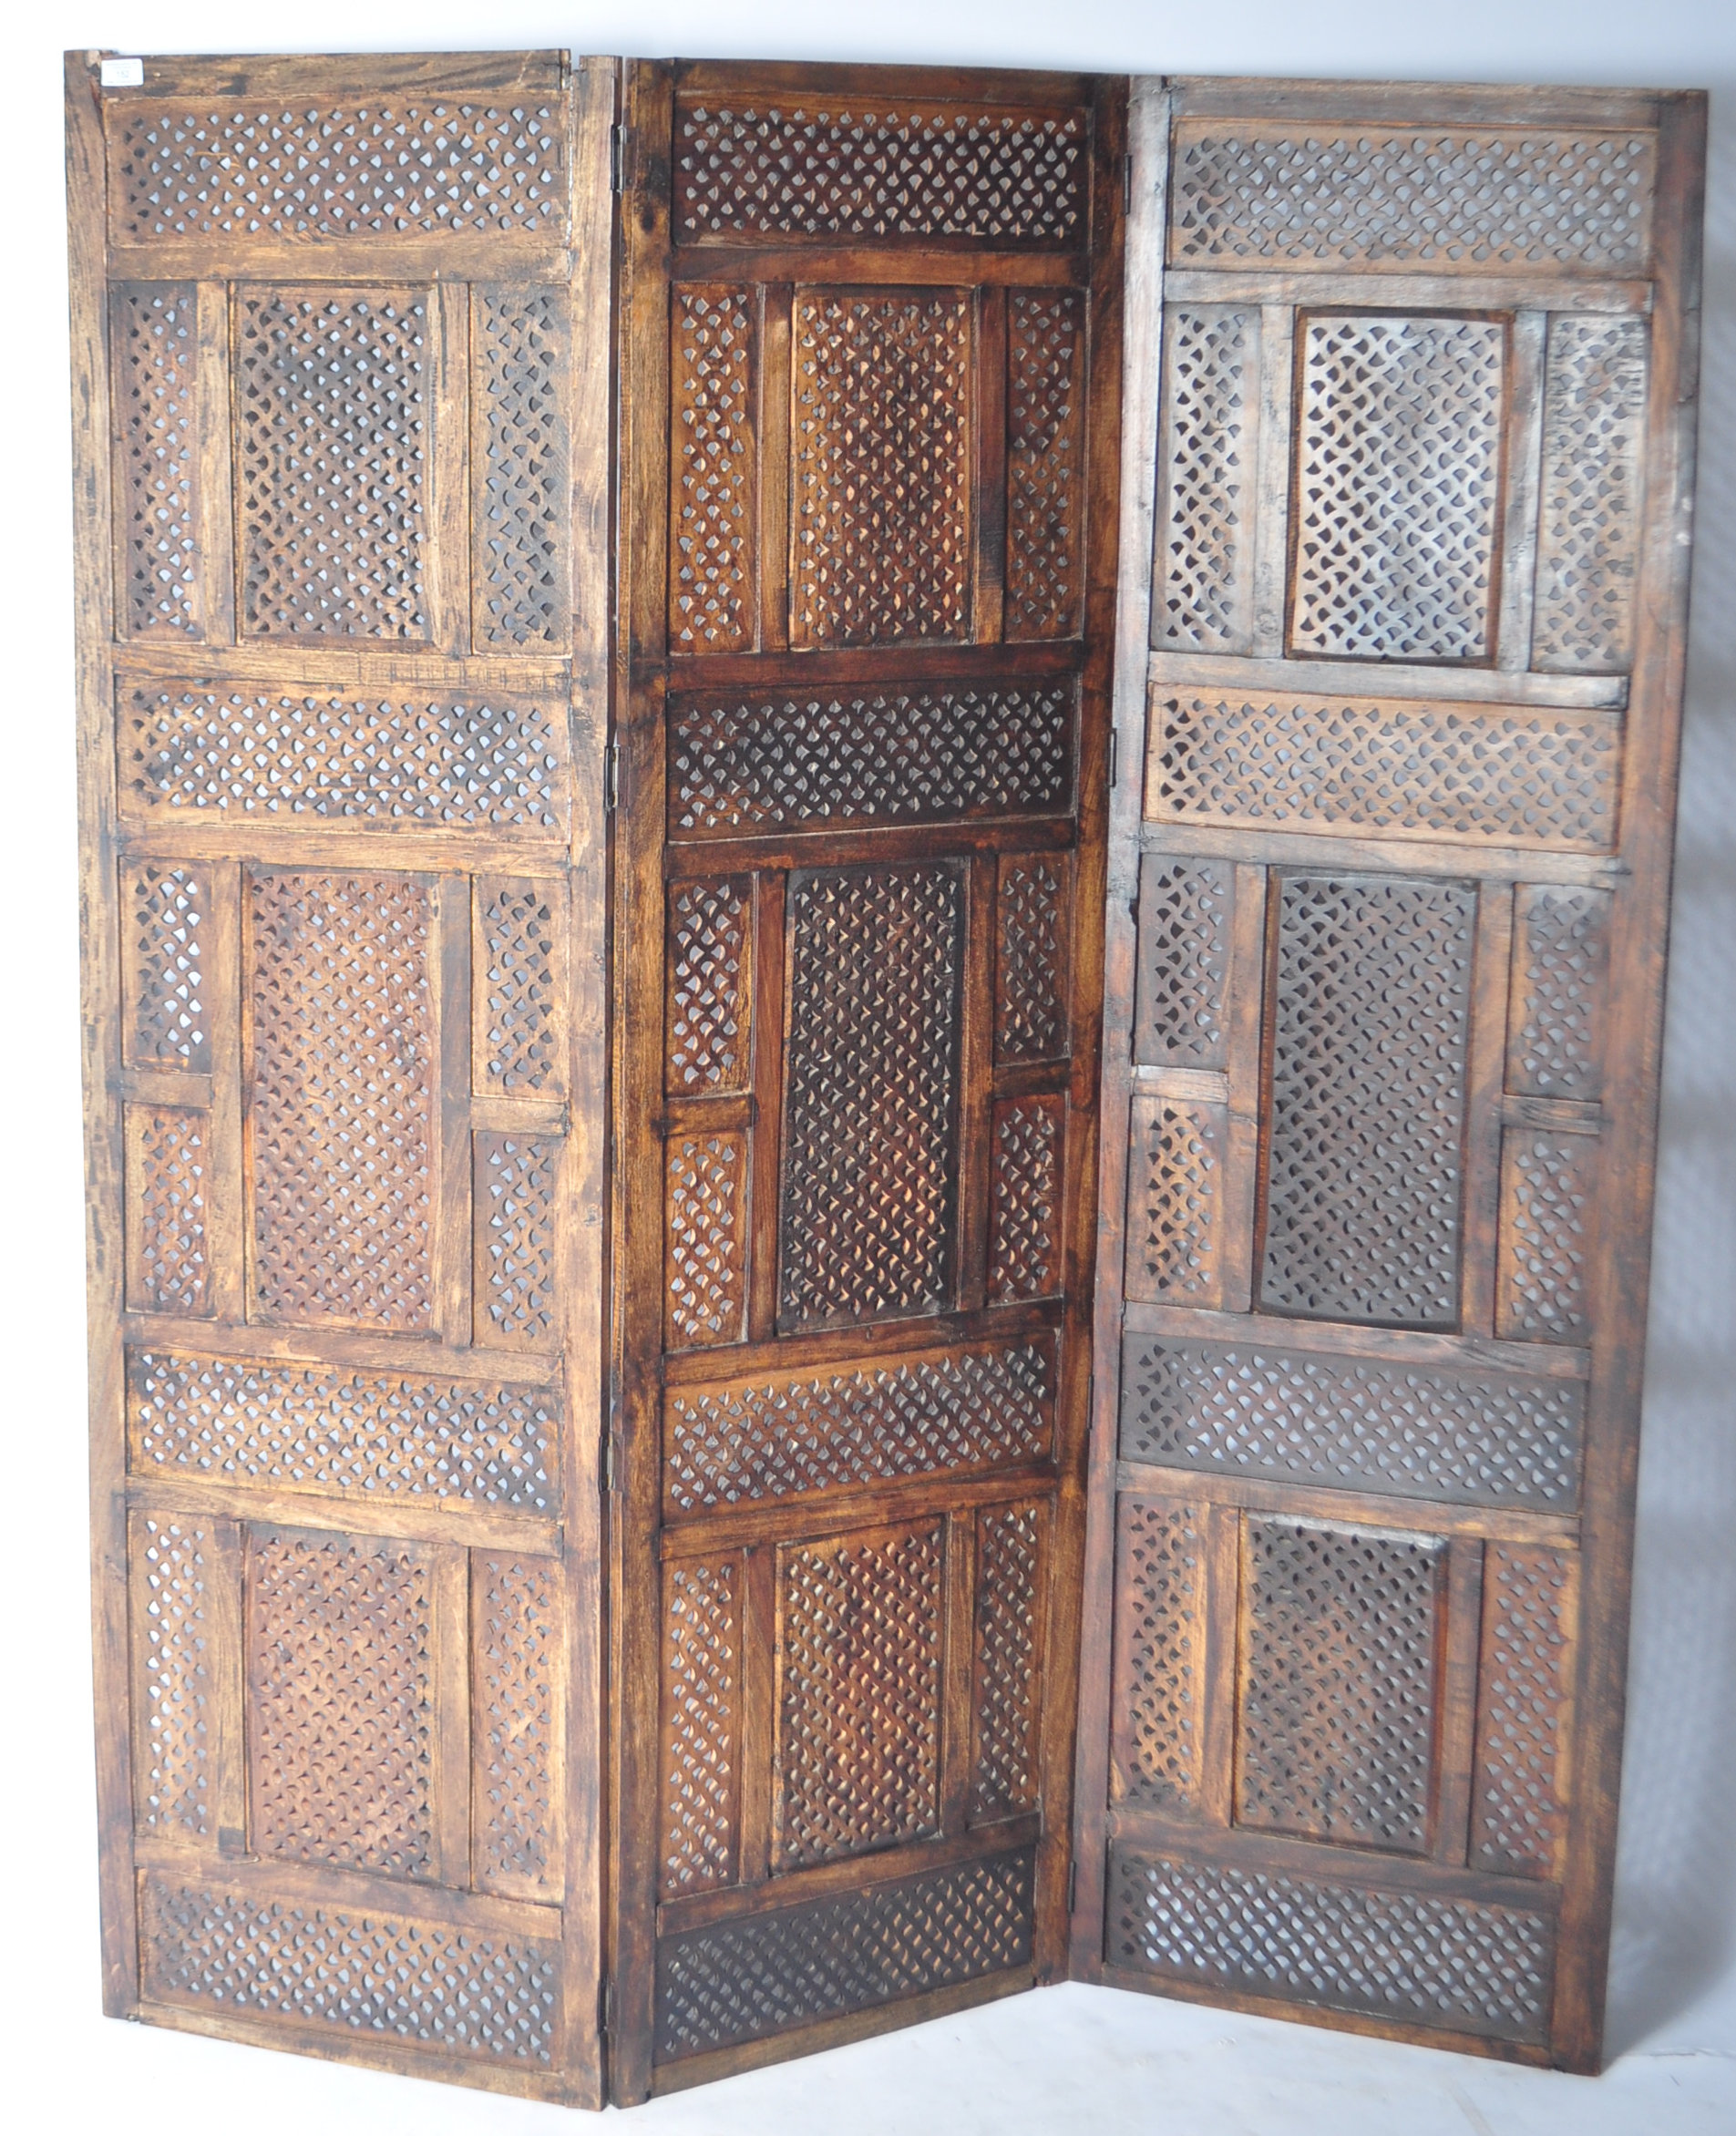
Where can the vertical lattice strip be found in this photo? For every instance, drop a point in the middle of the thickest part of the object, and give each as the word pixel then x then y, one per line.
pixel 1045 490
pixel 1524 1692
pixel 172 1564
pixel 516 1645
pixel 705 1245
pixel 702 1687
pixel 1175 1201
pixel 1159 1654
pixel 1183 962
pixel 1008 1659
pixel 167 1197
pixel 154 341
pixel 515 1178
pixel 712 515
pixel 1202 598
pixel 521 510
pixel 519 925
pixel 1547 1184
pixel 169 913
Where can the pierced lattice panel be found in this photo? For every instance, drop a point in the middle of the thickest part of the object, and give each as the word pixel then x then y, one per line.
pixel 870 1135
pixel 173 1564
pixel 1593 435
pixel 517 1655
pixel 1157 1750
pixel 1560 967
pixel 1336 1718
pixel 341 1100
pixel 341 1700
pixel 701 1723
pixel 168 1176
pixel 167 929
pixel 919 169
pixel 1525 1700
pixel 1548 1188
pixel 332 413
pixel 1024 1206
pixel 519 967
pixel 1175 1202
pixel 857 1751
pixel 881 468
pixel 705 1244
pixel 714 583
pixel 1011 1549
pixel 1045 474
pixel 1032 913
pixel 516 1276
pixel 1365 1155
pixel 521 504
pixel 782 1435
pixel 1179 1006
pixel 710 941
pixel 1398 488
pixel 1203 590
pixel 153 331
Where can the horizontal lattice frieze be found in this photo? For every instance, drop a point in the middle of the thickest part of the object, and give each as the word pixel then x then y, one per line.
pixel 913 171
pixel 309 1427
pixel 1245 1410
pixel 1431 194
pixel 787 1434
pixel 739 1980
pixel 744 765
pixel 378 1974
pixel 1415 1959
pixel 494 763
pixel 1492 774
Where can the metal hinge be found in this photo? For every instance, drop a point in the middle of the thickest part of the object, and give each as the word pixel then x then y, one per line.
pixel 1114 754
pixel 617 156
pixel 605 2005
pixel 611 1461
pixel 1127 184
pixel 612 777
pixel 1073 1885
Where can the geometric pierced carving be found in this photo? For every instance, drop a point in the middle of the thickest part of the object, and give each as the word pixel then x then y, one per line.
pixel 754 764
pixel 1174 1183
pixel 1398 475
pixel 738 1980
pixel 517 986
pixel 1008 1659
pixel 1434 1960
pixel 702 1683
pixel 881 468
pixel 168 1185
pixel 1451 198
pixel 331 405
pixel 515 1179
pixel 1024 1211
pixel 1594 431
pixel 1480 772
pixel 1046 434
pixel 170 911
pixel 427 1983
pixel 707 1284
pixel 521 510
pixel 783 1435
pixel 325 1428
pixel 1336 1717
pixel 1159 1700
pixel 871 1129
pixel 1183 962
pixel 1560 959
pixel 340 1665
pixel 154 348
pixel 515 1747
pixel 1524 1694
pixel 342 1097
pixel 1206 503
pixel 1470 1437
pixel 1030 959
pixel 707 1011
pixel 713 517
pixel 490 763
pixel 173 1564
pixel 435 165
pixel 919 169
pixel 1547 1187
pixel 858 1711
pixel 1368 1098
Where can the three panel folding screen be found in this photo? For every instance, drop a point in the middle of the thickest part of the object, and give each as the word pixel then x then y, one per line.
pixel 875 867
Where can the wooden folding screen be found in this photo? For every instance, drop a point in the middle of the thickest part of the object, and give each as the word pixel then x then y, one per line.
pixel 342 490
pixel 1401 666
pixel 871 367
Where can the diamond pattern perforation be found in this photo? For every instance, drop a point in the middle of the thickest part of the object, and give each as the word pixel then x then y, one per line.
pixel 1183 962
pixel 714 515
pixel 1398 478
pixel 881 539
pixel 1364 1156
pixel 1030 959
pixel 1335 1734
pixel 172 1564
pixel 170 917
pixel 705 1282
pixel 706 1017
pixel 870 1150
pixel 313 1427
pixel 739 1980
pixel 340 1106
pixel 453 1990
pixel 521 507
pixel 920 171
pixel 516 1303
pixel 518 928
pixel 154 349
pixel 1211 384
pixel 1429 194
pixel 1245 1410
pixel 1024 1214
pixel 1158 1744
pixel 1449 1962
pixel 340 1668
pixel 167 1189
pixel 1547 1189
pixel 1045 435
pixel 1560 967
pixel 858 1694
pixel 702 1687
pixel 332 411
pixel 1012 1542
pixel 785 1435
pixel 517 1613
pixel 493 764
pixel 1175 1196
pixel 746 765
pixel 1524 1693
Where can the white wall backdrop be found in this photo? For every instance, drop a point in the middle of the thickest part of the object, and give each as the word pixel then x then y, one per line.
pixel 1674 1984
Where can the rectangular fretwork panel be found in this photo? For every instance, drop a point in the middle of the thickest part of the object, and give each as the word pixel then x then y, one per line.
pixel 1385 923
pixel 868 375
pixel 341 623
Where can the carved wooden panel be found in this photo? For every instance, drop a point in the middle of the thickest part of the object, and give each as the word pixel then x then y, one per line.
pixel 710 926
pixel 154 335
pixel 521 570
pixel 1031 958
pixel 517 960
pixel 713 518
pixel 1555 1027
pixel 514 1196
pixel 169 1171
pixel 1024 1217
pixel 1594 427
pixel 167 929
pixel 701 1694
pixel 1549 1183
pixel 706 1283
pixel 1519 1807
pixel 1160 1654
pixel 1175 1201
pixel 1007 1664
pixel 1045 441
pixel 1183 962
pixel 516 1636
pixel 1203 548
pixel 176 1567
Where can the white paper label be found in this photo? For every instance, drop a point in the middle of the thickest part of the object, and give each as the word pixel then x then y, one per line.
pixel 123 74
